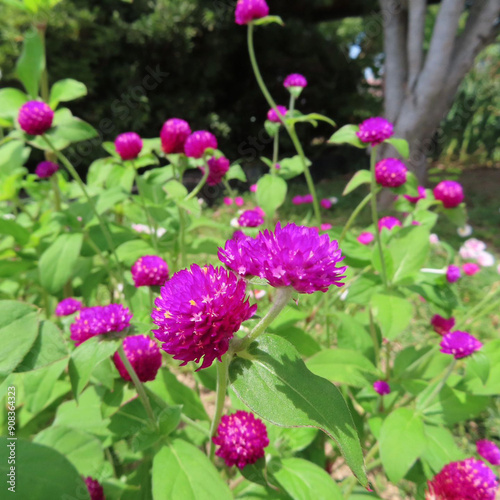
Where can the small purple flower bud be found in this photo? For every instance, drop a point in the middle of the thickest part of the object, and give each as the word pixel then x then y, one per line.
pixel 453 273
pixel 381 387
pixel 149 270
pixel 68 306
pixel 46 169
pixel 35 117
pixel 128 145
pixel 272 114
pixel 375 131
pixel 251 218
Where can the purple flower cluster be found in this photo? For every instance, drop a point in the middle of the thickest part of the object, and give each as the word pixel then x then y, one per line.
pixel 295 256
pixel 389 223
pixel 217 169
pixel 390 173
pixel 143 354
pixel 149 270
pixel 453 273
pixel 375 131
pixel 251 218
pixel 98 320
pixel 95 489
pixel 381 387
pixel 241 439
pixel 250 10
pixel 441 325
pixel 128 145
pixel 198 312
pixel 35 117
pixel 489 451
pixel 173 135
pixel 68 306
pixel 450 193
pixel 302 200
pixel 46 169
pixel 198 142
pixel 295 80
pixel 272 114
pixel 459 344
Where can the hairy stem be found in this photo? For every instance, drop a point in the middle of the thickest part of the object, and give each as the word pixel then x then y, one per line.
pixel 220 399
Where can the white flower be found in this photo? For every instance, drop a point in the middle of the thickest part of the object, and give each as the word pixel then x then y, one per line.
pixel 343 294
pixel 8 216
pixel 141 228
pixel 433 239
pixel 234 223
pixel 258 294
pixel 485 259
pixel 472 248
pixel 465 231
pixel 334 200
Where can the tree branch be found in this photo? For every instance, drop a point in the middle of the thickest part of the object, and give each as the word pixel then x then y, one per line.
pixel 416 32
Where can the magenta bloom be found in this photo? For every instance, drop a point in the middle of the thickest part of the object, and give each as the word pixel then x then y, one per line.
pixel 35 117
pixel 241 439
pixel 390 173
pixel 325 227
pixel 389 223
pixel 198 313
pixel 298 200
pixel 489 451
pixel 307 198
pixel 95 489
pixel 98 320
pixel 253 188
pixel 450 193
pixel 441 325
pixel 273 116
pixel 366 238
pixel 68 306
pixel 326 203
pixel 460 344
pixel 453 273
pixel 470 268
pixel 143 354
pixel 128 145
pixel 228 201
pixel 381 387
pixel 251 218
pixel 46 169
pixel 295 80
pixel 295 256
pixel 249 10
pixel 375 130
pixel 239 201
pixel 149 270
pixel 198 142
pixel 469 479
pixel 217 169
pixel 173 135
pixel 415 199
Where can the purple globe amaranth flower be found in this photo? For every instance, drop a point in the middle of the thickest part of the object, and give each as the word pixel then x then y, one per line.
pixel 441 325
pixel 381 387
pixel 149 270
pixel 489 451
pixel 272 114
pixel 173 135
pixel 46 169
pixel 307 198
pixel 460 344
pixel 198 312
pixel 143 354
pixel 35 117
pixel 295 256
pixel 468 479
pixel 450 193
pixel 375 130
pixel 366 238
pixel 250 10
pixel 298 200
pixel 99 320
pixel 390 172
pixel 198 142
pixel 128 145
pixel 239 201
pixel 470 268
pixel 253 188
pixel 68 306
pixel 241 439
pixel 295 80
pixel 453 273
pixel 389 223
pixel 414 199
pixel 95 489
pixel 217 169
pixel 251 218
pixel 326 203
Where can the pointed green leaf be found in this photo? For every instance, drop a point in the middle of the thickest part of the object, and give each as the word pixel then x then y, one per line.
pixel 359 178
pixel 31 62
pixel 347 135
pixel 66 90
pixel 400 145
pixel 271 193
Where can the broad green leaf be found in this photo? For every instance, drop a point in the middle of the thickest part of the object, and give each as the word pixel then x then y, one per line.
pixel 291 438
pixel 57 263
pixel 479 364
pixel 402 441
pixel 236 172
pixel 175 190
pixel 275 383
pixel 474 384
pixel 47 473
pixel 392 313
pixel 130 251
pixel 66 90
pixel 271 193
pixel 31 62
pixel 11 101
pixel 440 448
pixel 180 470
pixel 12 228
pixel 457 215
pixel 11 157
pixel 269 20
pixel 400 145
pixel 291 167
pixel 75 130
pixel 359 178
pixel 347 135
pixel 351 334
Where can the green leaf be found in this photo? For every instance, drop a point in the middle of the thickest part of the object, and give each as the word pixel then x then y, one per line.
pixel 359 178
pixel 66 90
pixel 479 364
pixel 11 101
pixel 130 251
pixel 402 441
pixel 75 130
pixel 48 474
pixel 180 470
pixel 275 383
pixel 57 263
pixel 351 334
pixel 31 62
pixel 236 172
pixel 292 167
pixel 311 118
pixel 12 228
pixel 457 215
pixel 400 145
pixel 392 313
pixel 269 20
pixel 440 448
pixel 271 193
pixel 175 190
pixel 347 135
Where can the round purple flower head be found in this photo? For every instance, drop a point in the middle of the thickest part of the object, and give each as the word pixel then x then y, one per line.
pixel 375 130
pixel 68 306
pixel 217 169
pixel 415 199
pixel 143 354
pixel 381 387
pixel 95 489
pixel 149 270
pixel 251 218
pixel 453 273
pixel 489 451
pixel 295 80
pixel 173 135
pixel 35 117
pixel 128 145
pixel 441 325
pixel 198 142
pixel 198 313
pixel 298 200
pixel 307 198
pixel 366 238
pixel 249 10
pixel 98 320
pixel 460 344
pixel 390 173
pixel 450 193
pixel 295 256
pixel 272 114
pixel 469 479
pixel 326 203
pixel 46 169
pixel 389 223
pixel 241 439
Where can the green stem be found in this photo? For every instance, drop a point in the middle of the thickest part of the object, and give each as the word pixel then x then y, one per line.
pixel 44 78
pixel 195 425
pixel 354 215
pixel 228 187
pixel 57 193
pixel 373 334
pixel 276 148
pixel 473 313
pixel 427 401
pixel 198 188
pixel 291 106
pixel 182 237
pixel 220 399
